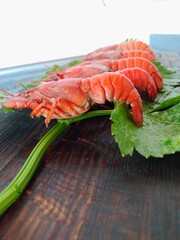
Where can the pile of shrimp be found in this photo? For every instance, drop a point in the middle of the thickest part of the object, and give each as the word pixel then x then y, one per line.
pixel 118 72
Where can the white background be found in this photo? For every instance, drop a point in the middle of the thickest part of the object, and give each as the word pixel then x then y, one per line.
pixel 36 30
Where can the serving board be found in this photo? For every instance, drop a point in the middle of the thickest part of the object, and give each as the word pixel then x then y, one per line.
pixel 84 188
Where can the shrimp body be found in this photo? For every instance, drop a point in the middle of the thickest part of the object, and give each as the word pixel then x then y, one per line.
pixel 110 54
pixel 118 54
pixel 72 97
pixel 141 80
pixel 139 77
pixel 117 87
pixel 128 45
pixel 141 63
pixel 138 53
pixel 78 71
pixel 135 45
pixel 130 62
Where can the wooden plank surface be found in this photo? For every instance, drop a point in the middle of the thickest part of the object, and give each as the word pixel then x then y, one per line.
pixel 84 188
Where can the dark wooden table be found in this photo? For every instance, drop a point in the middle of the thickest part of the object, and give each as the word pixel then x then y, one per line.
pixel 84 188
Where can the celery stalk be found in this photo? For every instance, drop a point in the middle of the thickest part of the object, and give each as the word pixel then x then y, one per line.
pixel 14 190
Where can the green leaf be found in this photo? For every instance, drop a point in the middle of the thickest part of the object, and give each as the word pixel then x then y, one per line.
pixel 6 110
pixel 166 73
pixel 129 39
pixel 30 85
pixel 53 69
pixel 168 96
pixel 167 104
pixel 159 135
pixel 73 63
pixel 123 129
pixel 25 87
pixel 57 68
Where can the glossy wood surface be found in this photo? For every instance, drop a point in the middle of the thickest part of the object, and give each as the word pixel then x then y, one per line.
pixel 83 188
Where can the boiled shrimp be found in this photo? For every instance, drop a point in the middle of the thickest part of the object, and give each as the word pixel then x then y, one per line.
pixel 141 80
pixel 130 62
pixel 78 71
pixel 66 99
pixel 127 45
pixel 118 54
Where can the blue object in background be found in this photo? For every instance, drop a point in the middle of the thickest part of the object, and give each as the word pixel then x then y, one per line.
pixel 165 42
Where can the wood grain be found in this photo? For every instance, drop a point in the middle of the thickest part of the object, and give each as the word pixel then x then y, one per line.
pixel 84 188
